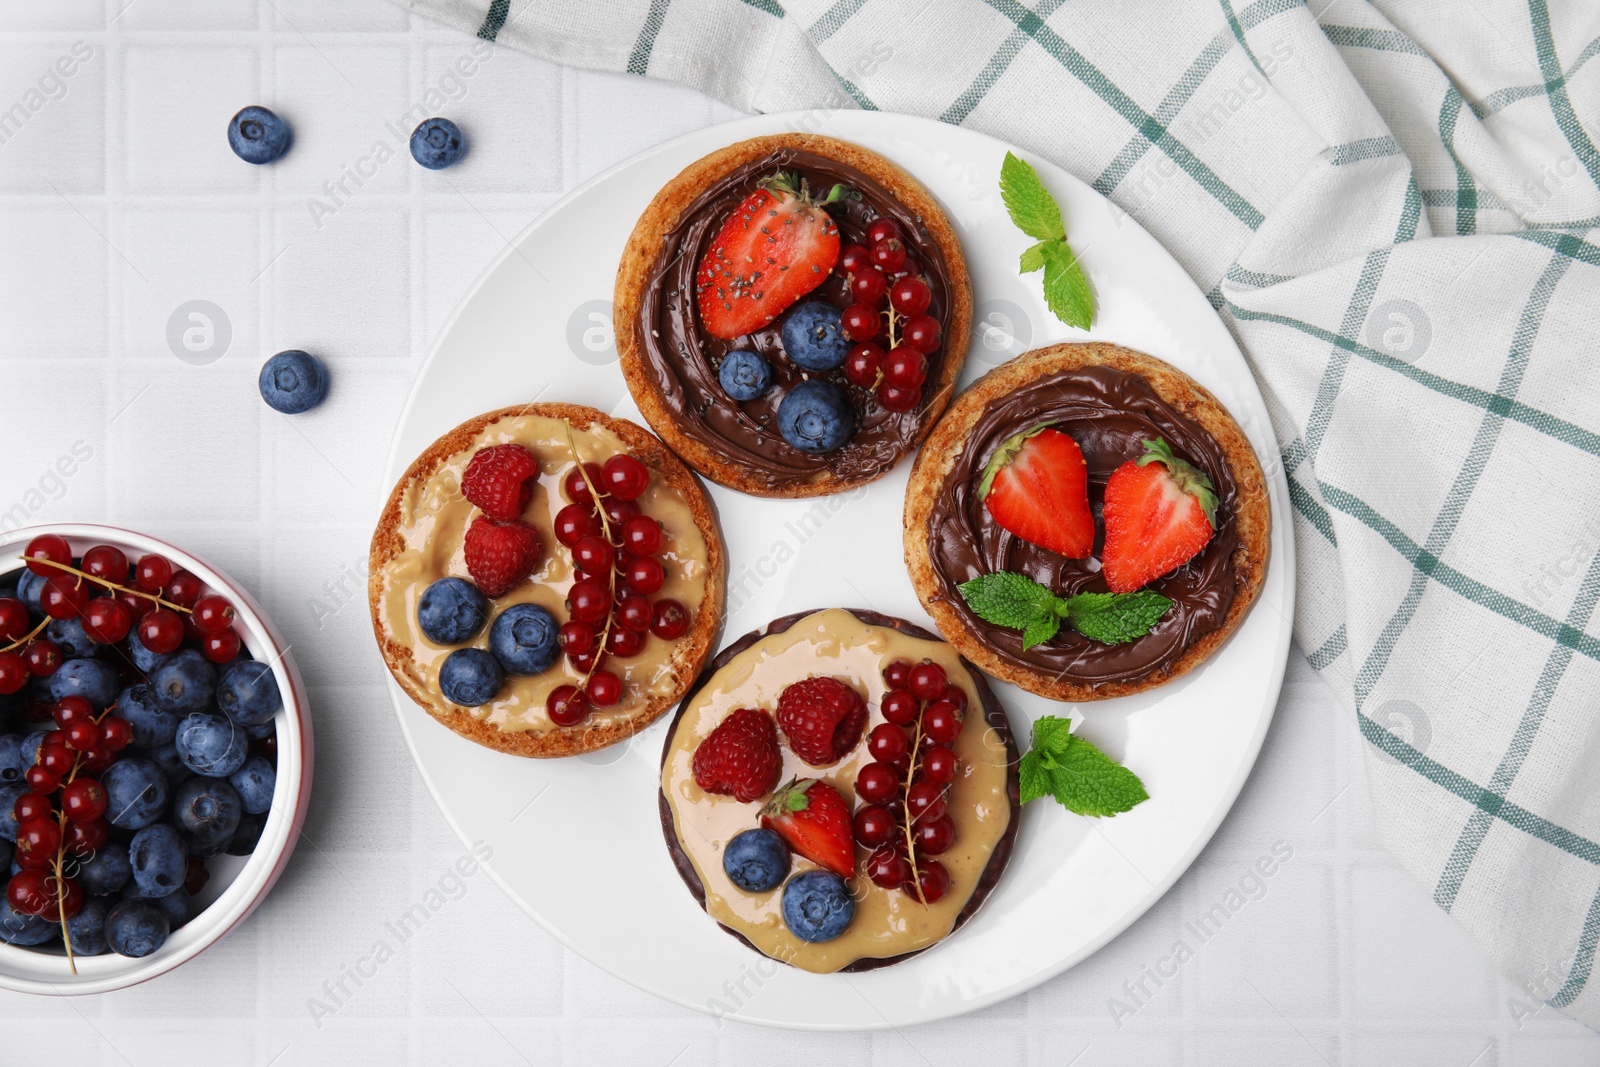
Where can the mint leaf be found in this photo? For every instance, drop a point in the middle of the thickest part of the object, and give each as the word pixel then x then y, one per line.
pixel 1032 207
pixel 1078 775
pixel 1033 258
pixel 1114 618
pixel 1066 290
pixel 1041 630
pixel 1010 600
pixel 1050 733
pixel 1033 777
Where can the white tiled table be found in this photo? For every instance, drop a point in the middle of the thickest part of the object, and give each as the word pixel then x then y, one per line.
pixel 120 202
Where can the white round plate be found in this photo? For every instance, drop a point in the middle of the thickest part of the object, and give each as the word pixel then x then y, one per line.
pixel 577 842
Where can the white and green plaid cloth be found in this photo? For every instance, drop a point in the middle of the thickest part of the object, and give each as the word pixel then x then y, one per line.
pixel 1392 206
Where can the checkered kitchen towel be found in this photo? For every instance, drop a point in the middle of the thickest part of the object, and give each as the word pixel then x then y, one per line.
pixel 1394 206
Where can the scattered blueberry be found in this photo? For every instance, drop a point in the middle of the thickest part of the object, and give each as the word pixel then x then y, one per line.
pixel 756 860
pixel 8 800
pixel 744 374
pixel 254 782
pixel 153 725
pixel 817 905
pixel 469 677
pixel 93 679
pixel 523 639
pixel 437 143
pixel 69 635
pixel 451 611
pixel 19 929
pixel 12 767
pixel 107 871
pixel 158 859
pixel 247 836
pixel 136 927
pixel 136 793
pixel 257 135
pixel 87 929
pixel 211 745
pixel 185 682
pixel 166 757
pixel 293 381
pixel 143 658
pixel 812 337
pixel 207 809
pixel 815 417
pixel 248 693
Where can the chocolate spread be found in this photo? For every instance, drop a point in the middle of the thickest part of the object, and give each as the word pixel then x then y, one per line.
pixel 684 358
pixel 1109 413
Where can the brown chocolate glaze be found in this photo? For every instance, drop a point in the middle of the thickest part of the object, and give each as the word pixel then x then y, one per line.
pixel 993 714
pixel 685 358
pixel 1109 413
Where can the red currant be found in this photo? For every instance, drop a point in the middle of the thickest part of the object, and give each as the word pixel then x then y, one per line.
pixel 138 606
pixel 941 723
pixel 910 296
pixel 38 841
pixel 905 367
pixel 106 620
pixel 52 547
pixel 221 648
pixel 861 322
pixel 98 759
pixel 57 759
pixel 71 709
pixel 623 642
pixel 28 891
pixel 575 522
pixel 161 631
pixel 14 624
pixel 927 681
pixel 576 488
pixel 604 689
pixel 882 230
pixel 641 536
pixel 593 556
pixel 887 743
pixel 922 333
pixel 31 805
pixel 196 877
pixel 625 477
pixel 63 596
pixel 925 800
pixel 636 612
pixel 108 562
pixel 935 835
pixel 869 287
pixel 899 707
pixel 896 398
pixel 83 799
pixel 43 658
pixel 82 735
pixel 873 826
pixel 575 638
pixel 40 780
pixel 183 590
pixel 152 573
pixel 644 575
pixel 87 838
pixel 889 256
pixel 566 706
pixel 863 364
pixel 584 663
pixel 933 881
pixel 64 900
pixel 588 601
pixel 671 620
pixel 13 672
pixel 116 733
pixel 897 675
pixel 954 694
pixel 877 783
pixel 213 614
pixel 888 869
pixel 939 765
pixel 854 257
pixel 620 512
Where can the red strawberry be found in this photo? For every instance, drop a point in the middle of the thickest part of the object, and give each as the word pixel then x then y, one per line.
pixel 500 554
pixel 500 480
pixel 814 818
pixel 1159 513
pixel 822 718
pixel 740 758
pixel 1037 487
pixel 777 246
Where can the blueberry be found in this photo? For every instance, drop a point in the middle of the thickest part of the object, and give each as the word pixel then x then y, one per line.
pixel 817 905
pixel 744 375
pixel 166 757
pixel 451 611
pixel 30 748
pixel 257 135
pixel 19 929
pixel 12 765
pixel 293 381
pixel 247 836
pixel 812 337
pixel 259 731
pixel 136 793
pixel 159 861
pixel 8 800
pixel 177 905
pixel 136 927
pixel 93 679
pixel 254 782
pixel 815 417
pixel 206 808
pixel 29 586
pixel 143 658
pixel 756 860
pixel 107 871
pixel 469 677
pixel 153 725
pixel 87 929
pixel 69 635
pixel 523 639
pixel 211 745
pixel 437 143
pixel 184 683
pixel 248 693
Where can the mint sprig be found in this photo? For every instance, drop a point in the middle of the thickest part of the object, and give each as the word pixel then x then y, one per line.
pixel 1078 775
pixel 1035 212
pixel 1017 602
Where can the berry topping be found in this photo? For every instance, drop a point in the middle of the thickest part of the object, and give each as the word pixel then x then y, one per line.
pixel 500 554
pixel 922 333
pixel 861 322
pixel 882 230
pixel 927 681
pixel 523 639
pixel 437 143
pixel 566 706
pixel 814 818
pixel 604 689
pixel 641 536
pixel 874 826
pixel 470 677
pixel 575 522
pixel 864 364
pixel 624 478
pixel 877 783
pixel 815 417
pixel 910 296
pixel 258 135
pixel 740 758
pixel 756 861
pixel 812 337
pixel 744 375
pixel 1159 513
pixel 671 620
pixel 451 611
pixel 777 246
pixel 817 905
pixel 500 480
pixel 853 258
pixel 1036 486
pixel 822 719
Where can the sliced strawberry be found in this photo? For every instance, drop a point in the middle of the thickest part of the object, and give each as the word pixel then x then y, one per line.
pixel 777 246
pixel 1037 487
pixel 1160 511
pixel 814 818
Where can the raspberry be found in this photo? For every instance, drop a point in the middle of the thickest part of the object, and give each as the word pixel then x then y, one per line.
pixel 500 480
pixel 740 758
pixel 500 554
pixel 822 718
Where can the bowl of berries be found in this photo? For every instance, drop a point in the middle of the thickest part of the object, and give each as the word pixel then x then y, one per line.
pixel 155 757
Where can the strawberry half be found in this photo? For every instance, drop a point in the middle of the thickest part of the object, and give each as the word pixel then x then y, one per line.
pixel 1160 511
pixel 814 818
pixel 1037 487
pixel 777 246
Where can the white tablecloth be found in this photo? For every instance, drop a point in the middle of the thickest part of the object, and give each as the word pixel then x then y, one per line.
pixel 121 204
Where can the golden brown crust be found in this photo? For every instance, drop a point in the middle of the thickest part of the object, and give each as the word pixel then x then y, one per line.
pixel 1253 519
pixel 691 650
pixel 644 245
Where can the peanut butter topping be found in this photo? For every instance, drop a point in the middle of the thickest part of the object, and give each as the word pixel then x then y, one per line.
pixel 434 526
pixel 887 922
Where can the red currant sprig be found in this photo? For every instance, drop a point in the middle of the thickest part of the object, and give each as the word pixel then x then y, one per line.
pixel 878 274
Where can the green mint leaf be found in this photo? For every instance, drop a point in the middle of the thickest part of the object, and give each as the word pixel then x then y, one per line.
pixel 1033 777
pixel 1114 618
pixel 1032 207
pixel 1050 734
pixel 1007 599
pixel 1066 290
pixel 1041 630
pixel 1033 258
pixel 1087 781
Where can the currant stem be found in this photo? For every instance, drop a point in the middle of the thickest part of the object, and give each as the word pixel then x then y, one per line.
pixel 27 639
pixel 911 772
pixel 108 584
pixel 61 853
